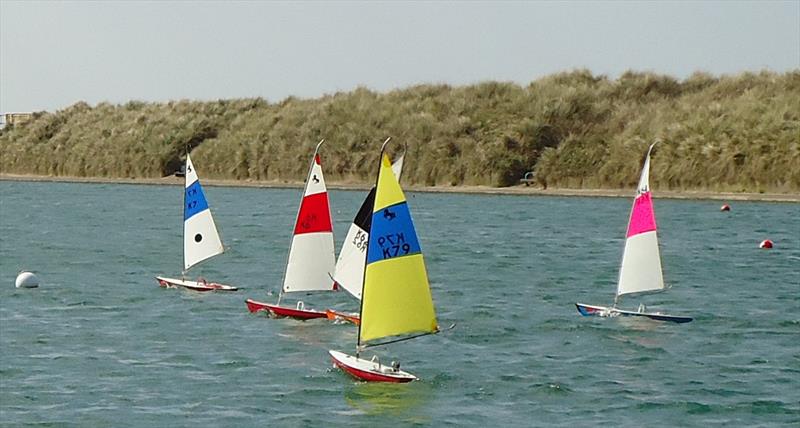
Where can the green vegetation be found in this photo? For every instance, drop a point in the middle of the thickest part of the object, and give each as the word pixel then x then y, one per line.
pixel 576 130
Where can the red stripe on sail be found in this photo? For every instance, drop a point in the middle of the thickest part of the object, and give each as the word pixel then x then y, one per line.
pixel 317 160
pixel 315 215
pixel 643 218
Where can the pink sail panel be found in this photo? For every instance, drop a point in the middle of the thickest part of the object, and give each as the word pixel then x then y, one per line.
pixel 643 218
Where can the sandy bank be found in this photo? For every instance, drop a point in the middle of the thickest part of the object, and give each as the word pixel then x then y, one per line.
pixel 516 190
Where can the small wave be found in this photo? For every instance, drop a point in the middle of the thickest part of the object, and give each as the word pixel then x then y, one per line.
pixel 54 356
pixel 234 364
pixel 554 389
pixel 690 407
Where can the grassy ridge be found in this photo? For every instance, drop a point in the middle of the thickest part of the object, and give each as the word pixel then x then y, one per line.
pixel 576 130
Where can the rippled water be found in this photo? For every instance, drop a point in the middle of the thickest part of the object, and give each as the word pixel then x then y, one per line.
pixel 99 343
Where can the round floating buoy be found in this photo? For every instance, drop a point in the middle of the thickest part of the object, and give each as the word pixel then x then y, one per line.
pixel 27 279
pixel 725 207
pixel 765 244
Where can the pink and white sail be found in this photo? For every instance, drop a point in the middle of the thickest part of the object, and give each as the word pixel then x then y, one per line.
pixel 641 262
pixel 311 256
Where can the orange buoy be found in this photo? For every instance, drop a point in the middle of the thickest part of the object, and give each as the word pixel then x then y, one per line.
pixel 765 244
pixel 725 207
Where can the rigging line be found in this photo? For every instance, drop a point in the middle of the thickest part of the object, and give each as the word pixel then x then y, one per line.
pixel 372 345
pixel 403 339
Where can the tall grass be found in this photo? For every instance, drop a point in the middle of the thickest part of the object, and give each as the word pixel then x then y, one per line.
pixel 574 129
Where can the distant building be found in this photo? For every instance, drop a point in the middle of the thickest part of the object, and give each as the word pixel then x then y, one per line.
pixel 16 118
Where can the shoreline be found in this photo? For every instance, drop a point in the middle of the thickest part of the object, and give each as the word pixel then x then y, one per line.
pixel 519 190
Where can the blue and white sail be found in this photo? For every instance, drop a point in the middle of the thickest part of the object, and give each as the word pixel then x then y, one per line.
pixel 200 236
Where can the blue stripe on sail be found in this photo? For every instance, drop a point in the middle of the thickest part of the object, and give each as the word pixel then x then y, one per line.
pixel 392 234
pixel 195 201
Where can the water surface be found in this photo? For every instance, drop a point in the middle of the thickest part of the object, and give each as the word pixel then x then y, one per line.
pixel 100 344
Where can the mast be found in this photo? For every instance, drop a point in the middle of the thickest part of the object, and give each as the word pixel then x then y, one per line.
pixel 183 209
pixel 366 255
pixel 299 206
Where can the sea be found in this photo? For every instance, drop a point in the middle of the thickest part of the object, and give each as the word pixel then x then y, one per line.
pixel 99 343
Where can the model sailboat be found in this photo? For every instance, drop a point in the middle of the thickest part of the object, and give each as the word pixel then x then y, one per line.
pixel 201 239
pixel 396 303
pixel 311 256
pixel 640 271
pixel 353 255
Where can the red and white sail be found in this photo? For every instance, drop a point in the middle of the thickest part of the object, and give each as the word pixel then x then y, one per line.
pixel 353 255
pixel 311 256
pixel 641 262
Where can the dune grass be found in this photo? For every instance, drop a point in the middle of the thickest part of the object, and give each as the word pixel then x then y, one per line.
pixel 575 130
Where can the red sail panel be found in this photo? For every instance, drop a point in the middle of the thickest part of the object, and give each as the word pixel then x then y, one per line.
pixel 315 215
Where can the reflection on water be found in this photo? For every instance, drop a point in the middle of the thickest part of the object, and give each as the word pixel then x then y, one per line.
pixel 399 400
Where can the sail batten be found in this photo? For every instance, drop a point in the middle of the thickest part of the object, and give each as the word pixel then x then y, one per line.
pixel 396 298
pixel 201 239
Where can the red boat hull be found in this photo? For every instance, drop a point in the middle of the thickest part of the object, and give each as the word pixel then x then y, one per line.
pixel 282 311
pixel 368 375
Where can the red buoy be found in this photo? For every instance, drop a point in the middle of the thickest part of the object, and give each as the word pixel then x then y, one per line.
pixel 725 207
pixel 765 244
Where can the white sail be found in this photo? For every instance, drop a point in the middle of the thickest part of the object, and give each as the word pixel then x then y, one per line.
pixel 353 255
pixel 397 166
pixel 200 237
pixel 312 256
pixel 640 270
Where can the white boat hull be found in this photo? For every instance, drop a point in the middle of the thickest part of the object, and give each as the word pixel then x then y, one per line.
pixel 193 285
pixel 602 311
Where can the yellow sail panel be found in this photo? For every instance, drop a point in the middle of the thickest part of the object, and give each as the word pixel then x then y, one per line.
pixel 388 191
pixel 397 299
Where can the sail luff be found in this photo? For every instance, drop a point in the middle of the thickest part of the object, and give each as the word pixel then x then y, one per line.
pixel 185 185
pixel 396 298
pixel 366 253
pixel 640 269
pixel 201 239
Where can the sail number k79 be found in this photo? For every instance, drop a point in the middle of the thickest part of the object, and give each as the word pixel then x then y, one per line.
pixel 393 245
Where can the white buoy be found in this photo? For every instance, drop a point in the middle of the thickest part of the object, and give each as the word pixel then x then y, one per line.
pixel 27 279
